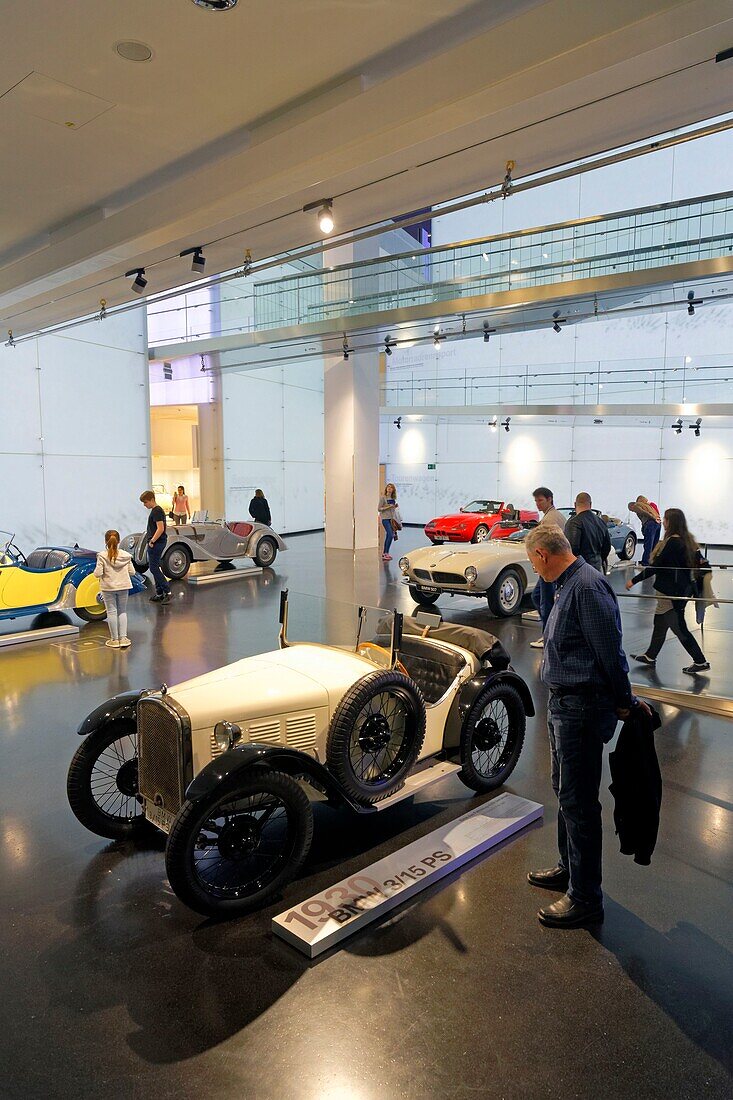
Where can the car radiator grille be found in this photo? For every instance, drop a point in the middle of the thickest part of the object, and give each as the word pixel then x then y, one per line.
pixel 422 574
pixel 449 578
pixel 160 754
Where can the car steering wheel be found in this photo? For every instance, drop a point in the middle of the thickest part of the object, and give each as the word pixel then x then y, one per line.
pixel 372 647
pixel 13 552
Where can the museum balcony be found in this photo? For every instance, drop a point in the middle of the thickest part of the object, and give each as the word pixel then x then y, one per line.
pixel 660 256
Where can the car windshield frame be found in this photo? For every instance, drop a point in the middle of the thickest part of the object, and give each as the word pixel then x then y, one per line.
pixel 367 624
pixel 496 507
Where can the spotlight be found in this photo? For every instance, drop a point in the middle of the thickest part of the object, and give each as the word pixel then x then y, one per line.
pixel 436 338
pixel 556 321
pixel 692 301
pixel 505 423
pixel 168 372
pixel 492 425
pixel 139 282
pixel 346 349
pixel 677 426
pixel 388 345
pixel 325 214
pixel 598 420
pixel 487 332
pixel 696 427
pixel 198 263
pixel 398 423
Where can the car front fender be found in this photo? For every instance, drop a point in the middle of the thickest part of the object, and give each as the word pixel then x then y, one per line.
pixel 233 763
pixel 122 706
pixel 467 696
pixel 261 533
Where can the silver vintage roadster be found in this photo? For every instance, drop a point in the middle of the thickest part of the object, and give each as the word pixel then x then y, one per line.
pixel 209 540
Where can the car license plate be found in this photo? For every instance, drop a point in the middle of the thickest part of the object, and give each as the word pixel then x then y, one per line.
pixel 440 538
pixel 159 817
pixel 426 587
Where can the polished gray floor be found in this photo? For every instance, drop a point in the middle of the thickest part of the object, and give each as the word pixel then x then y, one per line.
pixel 111 988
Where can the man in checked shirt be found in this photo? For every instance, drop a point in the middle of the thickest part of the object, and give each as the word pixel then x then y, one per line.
pixel 585 670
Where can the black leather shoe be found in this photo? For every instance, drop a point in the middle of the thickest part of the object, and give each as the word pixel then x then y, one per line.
pixel 568 913
pixel 555 878
pixel 156 598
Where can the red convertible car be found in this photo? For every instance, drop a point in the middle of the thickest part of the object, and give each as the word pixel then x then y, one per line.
pixel 475 522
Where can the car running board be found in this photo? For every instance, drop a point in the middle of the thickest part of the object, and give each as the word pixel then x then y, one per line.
pixel 417 781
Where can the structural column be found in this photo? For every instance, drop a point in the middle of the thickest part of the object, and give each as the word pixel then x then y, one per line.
pixel 351 450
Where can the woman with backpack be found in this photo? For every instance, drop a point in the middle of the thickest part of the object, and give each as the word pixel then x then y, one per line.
pixel 674 560
pixel 115 570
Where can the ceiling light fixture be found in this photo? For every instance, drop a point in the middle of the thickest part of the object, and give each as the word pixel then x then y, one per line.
pixel 677 427
pixel 198 263
pixel 696 427
pixel 389 343
pixel 325 214
pixel 346 348
pixel 398 423
pixel 139 282
pixel 557 321
pixel 216 5
pixel 487 332
pixel 129 50
pixel 692 301
pixel 436 338
pixel 492 425
pixel 505 423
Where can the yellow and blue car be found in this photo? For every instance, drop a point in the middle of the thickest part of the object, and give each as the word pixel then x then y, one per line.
pixel 51 578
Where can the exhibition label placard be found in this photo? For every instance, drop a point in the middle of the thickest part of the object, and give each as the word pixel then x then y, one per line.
pixel 323 920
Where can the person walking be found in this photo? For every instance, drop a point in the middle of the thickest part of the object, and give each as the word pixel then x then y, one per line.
pixel 115 570
pixel 157 539
pixel 181 509
pixel 259 509
pixel 585 670
pixel 672 563
pixel 387 511
pixel 651 525
pixel 588 534
pixel 543 593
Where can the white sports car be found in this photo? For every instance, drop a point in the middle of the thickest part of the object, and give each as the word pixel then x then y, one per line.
pixel 497 570
pixel 225 763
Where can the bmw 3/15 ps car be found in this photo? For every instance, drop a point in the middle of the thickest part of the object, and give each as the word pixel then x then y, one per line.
pixel 476 521
pixel 227 763
pixel 209 540
pixel 51 578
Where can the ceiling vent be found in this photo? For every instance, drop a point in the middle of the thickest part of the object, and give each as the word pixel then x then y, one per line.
pixel 133 51
pixel 216 5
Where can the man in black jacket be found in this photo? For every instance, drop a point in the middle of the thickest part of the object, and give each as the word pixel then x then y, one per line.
pixel 587 534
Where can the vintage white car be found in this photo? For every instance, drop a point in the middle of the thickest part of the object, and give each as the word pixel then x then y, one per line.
pixel 207 540
pixel 227 763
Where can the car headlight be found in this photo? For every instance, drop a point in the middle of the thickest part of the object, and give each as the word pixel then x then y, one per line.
pixel 471 574
pixel 460 527
pixel 404 564
pixel 226 733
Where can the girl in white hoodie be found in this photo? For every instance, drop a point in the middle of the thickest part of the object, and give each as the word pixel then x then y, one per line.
pixel 115 571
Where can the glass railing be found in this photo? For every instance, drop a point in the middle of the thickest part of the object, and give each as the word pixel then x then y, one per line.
pixel 674 379
pixel 674 233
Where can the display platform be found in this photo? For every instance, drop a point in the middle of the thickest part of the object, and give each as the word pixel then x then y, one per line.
pixel 330 916
pixel 227 575
pixel 23 637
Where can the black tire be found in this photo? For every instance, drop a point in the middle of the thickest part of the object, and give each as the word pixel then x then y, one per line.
pixel 383 717
pixel 102 783
pixel 236 881
pixel 427 599
pixel 628 549
pixel 176 562
pixel 140 556
pixel 266 551
pixel 88 616
pixel 481 533
pixel 46 620
pixel 492 737
pixel 506 594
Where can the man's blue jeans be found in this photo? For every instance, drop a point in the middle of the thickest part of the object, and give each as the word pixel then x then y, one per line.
pixel 543 597
pixel 578 729
pixel 155 553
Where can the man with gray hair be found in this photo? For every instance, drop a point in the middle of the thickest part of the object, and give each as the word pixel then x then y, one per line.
pixel 587 534
pixel 585 670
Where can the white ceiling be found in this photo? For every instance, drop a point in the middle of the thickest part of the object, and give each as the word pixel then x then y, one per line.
pixel 241 118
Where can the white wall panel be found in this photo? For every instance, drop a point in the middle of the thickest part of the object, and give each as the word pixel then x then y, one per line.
pixel 23 511
pixel 242 477
pixel 84 497
pixel 125 331
pixel 303 424
pixel 303 496
pixel 252 418
pixel 20 410
pixel 458 483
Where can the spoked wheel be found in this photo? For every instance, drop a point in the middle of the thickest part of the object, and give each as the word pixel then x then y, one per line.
pixel 232 850
pixel 481 533
pixel 266 552
pixel 376 735
pixel 102 784
pixel 629 548
pixel 492 737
